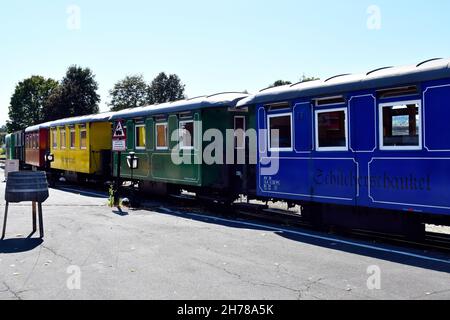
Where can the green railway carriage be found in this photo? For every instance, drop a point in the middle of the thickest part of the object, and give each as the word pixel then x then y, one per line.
pixel 15 147
pixel 158 134
pixel 10 147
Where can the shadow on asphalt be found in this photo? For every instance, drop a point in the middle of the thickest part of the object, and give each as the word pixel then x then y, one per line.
pixel 407 256
pixel 19 245
pixel 120 212
pixel 416 258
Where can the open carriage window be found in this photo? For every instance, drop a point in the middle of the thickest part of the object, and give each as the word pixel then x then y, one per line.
pixel 400 126
pixel 72 138
pixel 187 135
pixel 83 138
pixel 280 132
pixel 54 138
pixel 62 137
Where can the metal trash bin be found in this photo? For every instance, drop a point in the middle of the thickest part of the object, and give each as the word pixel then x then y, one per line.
pixel 23 187
pixel 26 186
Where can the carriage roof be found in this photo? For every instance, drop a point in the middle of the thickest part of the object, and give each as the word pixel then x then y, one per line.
pixel 432 69
pixel 100 117
pixel 228 99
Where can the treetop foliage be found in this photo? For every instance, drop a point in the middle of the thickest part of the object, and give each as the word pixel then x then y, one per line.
pixel 133 91
pixel 37 99
pixel 75 96
pixel 280 83
pixel 307 79
pixel 27 106
pixel 165 89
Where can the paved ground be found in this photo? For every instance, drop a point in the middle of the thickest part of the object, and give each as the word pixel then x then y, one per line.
pixel 160 253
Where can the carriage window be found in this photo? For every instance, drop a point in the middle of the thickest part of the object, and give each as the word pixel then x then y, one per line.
pixel 62 138
pixel 83 138
pixel 72 138
pixel 187 135
pixel 329 101
pixel 54 139
pixel 280 132
pixel 140 137
pixel 161 136
pixel 400 126
pixel 331 130
pixel 398 92
pixel 239 131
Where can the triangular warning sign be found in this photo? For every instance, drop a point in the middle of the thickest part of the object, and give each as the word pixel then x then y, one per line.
pixel 119 132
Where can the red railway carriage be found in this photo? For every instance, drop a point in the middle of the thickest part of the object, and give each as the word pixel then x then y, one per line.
pixel 37 145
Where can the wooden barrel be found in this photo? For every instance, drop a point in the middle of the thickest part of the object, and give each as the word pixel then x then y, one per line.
pixel 26 186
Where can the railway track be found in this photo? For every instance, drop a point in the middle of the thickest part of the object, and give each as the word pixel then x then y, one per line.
pixel 433 242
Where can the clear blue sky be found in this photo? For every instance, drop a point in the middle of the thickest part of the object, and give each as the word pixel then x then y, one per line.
pixel 214 45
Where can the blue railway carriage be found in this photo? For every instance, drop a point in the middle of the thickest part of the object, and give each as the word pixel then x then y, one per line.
pixel 368 151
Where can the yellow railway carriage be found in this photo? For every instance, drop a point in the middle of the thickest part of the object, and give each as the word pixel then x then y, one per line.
pixel 82 145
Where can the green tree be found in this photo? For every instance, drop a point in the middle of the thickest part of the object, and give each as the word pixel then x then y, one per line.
pixel 130 92
pixel 280 83
pixel 3 133
pixel 306 79
pixel 165 89
pixel 27 106
pixel 76 95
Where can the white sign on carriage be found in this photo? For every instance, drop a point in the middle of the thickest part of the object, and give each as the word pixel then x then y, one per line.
pixel 119 141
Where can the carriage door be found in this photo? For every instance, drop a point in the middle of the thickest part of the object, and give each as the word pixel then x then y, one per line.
pixel 241 154
pixel 363 141
pixel 335 168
